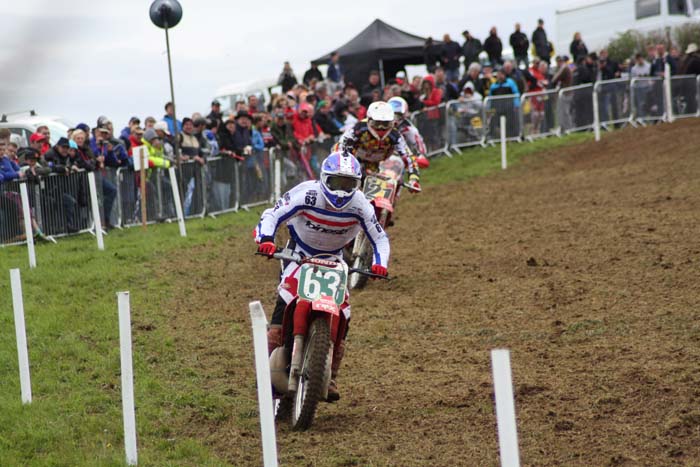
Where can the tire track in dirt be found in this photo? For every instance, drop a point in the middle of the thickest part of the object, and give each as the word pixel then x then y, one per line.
pixel 583 261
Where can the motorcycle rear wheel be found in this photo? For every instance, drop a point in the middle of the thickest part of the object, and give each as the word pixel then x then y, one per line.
pixel 313 375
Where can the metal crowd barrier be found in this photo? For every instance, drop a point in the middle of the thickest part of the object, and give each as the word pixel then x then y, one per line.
pixel 160 206
pixel 60 204
pixel 256 177
pixel 11 215
pixel 576 108
pixel 465 126
pixel 494 107
pixel 685 96
pixel 539 114
pixel 432 124
pixel 647 99
pixel 194 182
pixel 223 187
pixel 292 171
pixel 614 102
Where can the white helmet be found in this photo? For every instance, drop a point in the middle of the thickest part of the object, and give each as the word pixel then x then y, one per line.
pixel 399 105
pixel 380 118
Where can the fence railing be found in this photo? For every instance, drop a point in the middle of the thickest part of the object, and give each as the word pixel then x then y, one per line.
pixel 60 204
pixel 494 108
pixel 685 96
pixel 614 102
pixel 539 114
pixel 432 123
pixel 558 111
pixel 647 99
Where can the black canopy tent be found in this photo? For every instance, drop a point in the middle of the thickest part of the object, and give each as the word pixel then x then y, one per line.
pixel 378 47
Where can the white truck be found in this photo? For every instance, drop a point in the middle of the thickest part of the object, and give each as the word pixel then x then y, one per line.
pixel 598 21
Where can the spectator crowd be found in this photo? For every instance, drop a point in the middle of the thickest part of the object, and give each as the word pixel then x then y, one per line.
pixel 306 117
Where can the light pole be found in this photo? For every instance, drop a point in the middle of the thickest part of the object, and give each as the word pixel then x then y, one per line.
pixel 167 14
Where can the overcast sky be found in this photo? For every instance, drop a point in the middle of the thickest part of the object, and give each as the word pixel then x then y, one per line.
pixel 83 58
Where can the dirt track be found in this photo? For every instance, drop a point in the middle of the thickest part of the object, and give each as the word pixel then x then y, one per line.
pixel 585 263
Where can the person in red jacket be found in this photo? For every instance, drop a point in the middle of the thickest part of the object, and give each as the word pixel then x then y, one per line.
pixel 305 130
pixel 431 97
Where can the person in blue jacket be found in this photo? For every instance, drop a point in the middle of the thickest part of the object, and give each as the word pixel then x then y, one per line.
pixel 504 86
pixel 9 170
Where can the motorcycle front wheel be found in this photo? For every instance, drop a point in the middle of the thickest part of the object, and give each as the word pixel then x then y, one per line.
pixel 361 260
pixel 315 365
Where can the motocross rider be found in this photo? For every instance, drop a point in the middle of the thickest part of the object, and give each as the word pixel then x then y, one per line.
pixel 322 216
pixel 409 132
pixel 375 139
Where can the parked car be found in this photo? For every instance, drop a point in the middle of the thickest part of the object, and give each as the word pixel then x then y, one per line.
pixel 25 124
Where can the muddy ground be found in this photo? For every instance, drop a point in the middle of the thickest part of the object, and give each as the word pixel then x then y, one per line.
pixel 584 262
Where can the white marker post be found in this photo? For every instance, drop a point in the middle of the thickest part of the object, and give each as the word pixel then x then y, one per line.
pixel 596 115
pixel 278 179
pixel 127 378
pixel 28 230
pixel 504 162
pixel 21 333
pixel 505 408
pixel 262 366
pixel 96 211
pixel 668 95
pixel 178 203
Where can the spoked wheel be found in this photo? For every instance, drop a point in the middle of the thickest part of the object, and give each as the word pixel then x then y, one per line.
pixel 361 260
pixel 312 379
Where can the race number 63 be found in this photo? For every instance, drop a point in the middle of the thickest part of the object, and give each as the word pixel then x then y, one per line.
pixel 317 281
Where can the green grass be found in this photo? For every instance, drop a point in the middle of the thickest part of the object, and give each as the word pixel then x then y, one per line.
pixel 72 330
pixel 480 161
pixel 73 337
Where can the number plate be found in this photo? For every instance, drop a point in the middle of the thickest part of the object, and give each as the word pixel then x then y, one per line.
pixel 317 281
pixel 378 188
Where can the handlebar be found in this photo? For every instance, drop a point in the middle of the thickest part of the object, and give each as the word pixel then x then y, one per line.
pixel 295 257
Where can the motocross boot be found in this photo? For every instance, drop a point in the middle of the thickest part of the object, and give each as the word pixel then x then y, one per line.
pixel 333 394
pixel 274 338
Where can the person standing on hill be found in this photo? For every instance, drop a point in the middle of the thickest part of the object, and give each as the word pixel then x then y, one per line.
pixel 520 44
pixel 494 47
pixel 470 49
pixel 539 40
pixel 449 56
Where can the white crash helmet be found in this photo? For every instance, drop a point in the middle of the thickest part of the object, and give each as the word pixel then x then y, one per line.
pixel 399 105
pixel 380 118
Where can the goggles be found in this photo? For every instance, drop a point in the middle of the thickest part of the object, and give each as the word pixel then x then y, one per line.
pixel 377 125
pixel 340 183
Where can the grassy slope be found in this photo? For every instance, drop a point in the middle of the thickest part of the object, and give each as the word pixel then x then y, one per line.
pixel 72 329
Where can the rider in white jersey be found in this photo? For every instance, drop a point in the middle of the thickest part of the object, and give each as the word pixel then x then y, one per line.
pixel 407 129
pixel 322 216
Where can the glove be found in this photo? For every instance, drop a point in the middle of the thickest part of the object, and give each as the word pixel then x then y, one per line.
pixel 379 270
pixel 267 248
pixel 414 183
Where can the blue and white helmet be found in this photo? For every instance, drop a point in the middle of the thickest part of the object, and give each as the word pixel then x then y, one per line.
pixel 341 175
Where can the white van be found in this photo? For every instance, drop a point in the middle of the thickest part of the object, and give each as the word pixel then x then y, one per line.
pixel 229 94
pixel 602 20
pixel 26 123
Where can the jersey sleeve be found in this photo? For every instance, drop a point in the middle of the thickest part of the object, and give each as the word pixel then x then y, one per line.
pixel 376 235
pixel 407 156
pixel 288 206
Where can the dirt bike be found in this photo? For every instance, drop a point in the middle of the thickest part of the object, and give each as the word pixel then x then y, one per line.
pixel 313 325
pixel 382 189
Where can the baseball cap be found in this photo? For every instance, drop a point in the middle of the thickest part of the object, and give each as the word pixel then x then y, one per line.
pixel 36 137
pixel 63 142
pixel 103 121
pixel 215 102
pixel 162 126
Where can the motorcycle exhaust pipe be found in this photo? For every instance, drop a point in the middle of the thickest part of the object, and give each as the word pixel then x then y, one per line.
pixel 295 367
